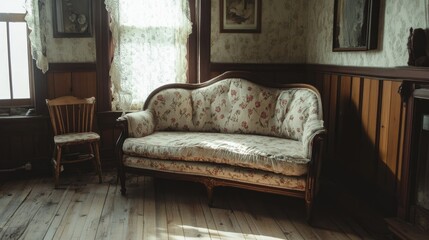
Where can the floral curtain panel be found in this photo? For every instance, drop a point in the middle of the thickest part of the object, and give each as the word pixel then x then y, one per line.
pixel 36 22
pixel 150 47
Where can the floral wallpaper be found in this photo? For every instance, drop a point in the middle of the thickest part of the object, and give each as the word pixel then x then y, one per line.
pixel 397 16
pixel 282 38
pixel 67 49
pixel 300 31
pixel 293 31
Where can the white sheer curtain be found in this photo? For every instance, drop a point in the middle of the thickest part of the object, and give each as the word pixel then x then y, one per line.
pixel 150 47
pixel 36 22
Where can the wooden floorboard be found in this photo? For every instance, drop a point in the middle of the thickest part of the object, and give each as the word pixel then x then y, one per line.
pixel 30 208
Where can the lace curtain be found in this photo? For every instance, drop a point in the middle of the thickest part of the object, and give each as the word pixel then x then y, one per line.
pixel 36 22
pixel 150 47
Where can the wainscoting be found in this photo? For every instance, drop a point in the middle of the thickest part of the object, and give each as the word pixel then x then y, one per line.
pixel 365 118
pixel 25 140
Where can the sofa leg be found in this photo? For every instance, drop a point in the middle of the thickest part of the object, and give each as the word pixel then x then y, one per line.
pixel 121 175
pixel 309 208
pixel 123 191
pixel 210 195
pixel 209 188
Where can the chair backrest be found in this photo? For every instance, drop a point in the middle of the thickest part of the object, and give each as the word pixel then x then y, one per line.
pixel 70 114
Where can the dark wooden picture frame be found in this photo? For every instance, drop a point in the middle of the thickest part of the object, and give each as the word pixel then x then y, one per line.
pixel 355 25
pixel 72 18
pixel 240 16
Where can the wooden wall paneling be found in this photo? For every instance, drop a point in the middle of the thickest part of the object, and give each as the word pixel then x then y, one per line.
pixel 391 129
pixel 325 92
pixel 317 80
pixel 384 126
pixel 343 118
pixel 355 123
pixel 84 84
pixel 394 154
pixel 369 117
pixel 79 84
pixel 59 84
pixel 332 122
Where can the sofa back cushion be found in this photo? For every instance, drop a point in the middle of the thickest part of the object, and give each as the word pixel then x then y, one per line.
pixel 236 106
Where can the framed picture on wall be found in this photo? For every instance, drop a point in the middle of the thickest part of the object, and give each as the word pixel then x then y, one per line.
pixel 355 25
pixel 240 16
pixel 72 18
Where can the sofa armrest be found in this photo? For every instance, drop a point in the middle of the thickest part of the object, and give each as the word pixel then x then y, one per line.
pixel 311 130
pixel 140 123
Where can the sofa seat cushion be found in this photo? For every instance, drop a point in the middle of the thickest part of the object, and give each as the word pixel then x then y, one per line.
pixel 245 175
pixel 277 155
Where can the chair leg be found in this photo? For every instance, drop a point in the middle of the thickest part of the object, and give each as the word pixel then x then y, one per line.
pixel 57 165
pixel 97 161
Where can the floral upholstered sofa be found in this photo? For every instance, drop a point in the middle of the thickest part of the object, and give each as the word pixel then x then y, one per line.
pixel 229 131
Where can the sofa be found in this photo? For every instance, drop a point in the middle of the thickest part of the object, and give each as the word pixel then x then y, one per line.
pixel 235 130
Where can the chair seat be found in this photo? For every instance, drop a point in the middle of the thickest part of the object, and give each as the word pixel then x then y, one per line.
pixel 73 138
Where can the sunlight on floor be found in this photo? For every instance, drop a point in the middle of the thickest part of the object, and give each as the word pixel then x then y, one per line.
pixel 206 233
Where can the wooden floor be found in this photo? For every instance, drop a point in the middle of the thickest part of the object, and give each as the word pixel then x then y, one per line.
pixel 158 209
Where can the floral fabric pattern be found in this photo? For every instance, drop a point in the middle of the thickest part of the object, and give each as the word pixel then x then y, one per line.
pixel 239 106
pixel 140 124
pixel 277 155
pixel 219 171
pixel 173 110
pixel 76 137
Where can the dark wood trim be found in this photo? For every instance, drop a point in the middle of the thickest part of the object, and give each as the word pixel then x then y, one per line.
pixel 204 29
pixel 404 186
pixel 72 67
pixel 416 74
pixel 102 38
pixel 40 82
pixel 193 44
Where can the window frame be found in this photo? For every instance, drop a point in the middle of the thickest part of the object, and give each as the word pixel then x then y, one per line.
pixel 26 102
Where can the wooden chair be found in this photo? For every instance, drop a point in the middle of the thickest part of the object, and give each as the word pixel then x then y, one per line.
pixel 72 120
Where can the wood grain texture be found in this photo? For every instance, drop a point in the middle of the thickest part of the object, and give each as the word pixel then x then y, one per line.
pixel 156 209
pixel 365 122
pixel 75 83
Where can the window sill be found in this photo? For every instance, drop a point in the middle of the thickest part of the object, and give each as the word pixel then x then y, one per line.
pixel 20 117
pixel 16 111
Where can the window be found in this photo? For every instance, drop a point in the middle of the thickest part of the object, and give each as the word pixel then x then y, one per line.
pixel 150 40
pixel 15 59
